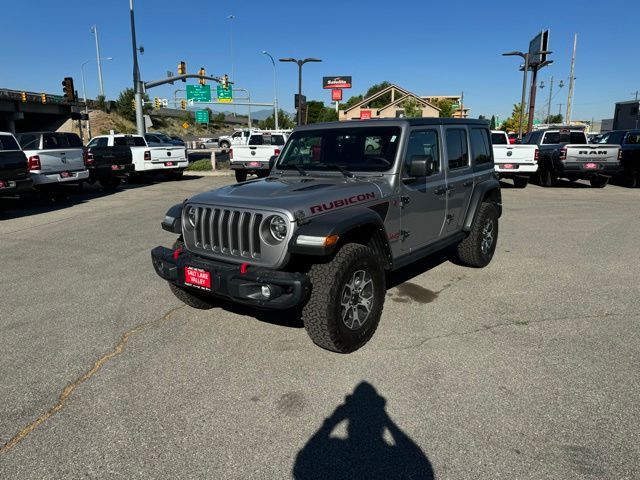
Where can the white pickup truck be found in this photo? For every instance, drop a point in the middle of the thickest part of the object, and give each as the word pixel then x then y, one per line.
pixel 255 157
pixel 146 159
pixel 517 162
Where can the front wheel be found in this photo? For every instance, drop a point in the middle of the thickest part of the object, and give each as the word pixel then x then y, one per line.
pixel 347 295
pixel 224 145
pixel 241 175
pixel 478 248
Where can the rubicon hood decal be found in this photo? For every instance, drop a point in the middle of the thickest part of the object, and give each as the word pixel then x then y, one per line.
pixel 342 202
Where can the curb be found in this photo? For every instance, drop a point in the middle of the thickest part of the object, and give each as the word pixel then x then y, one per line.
pixel 206 173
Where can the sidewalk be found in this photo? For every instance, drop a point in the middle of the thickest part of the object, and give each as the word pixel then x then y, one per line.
pixel 208 173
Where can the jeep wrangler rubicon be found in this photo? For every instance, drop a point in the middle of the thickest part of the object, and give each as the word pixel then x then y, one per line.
pixel 334 216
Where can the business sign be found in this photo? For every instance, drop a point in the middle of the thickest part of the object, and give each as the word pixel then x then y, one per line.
pixel 199 93
pixel 365 114
pixel 336 94
pixel 336 82
pixel 202 116
pixel 539 43
pixel 225 95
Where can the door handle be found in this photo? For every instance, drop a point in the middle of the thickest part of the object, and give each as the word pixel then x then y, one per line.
pixel 468 183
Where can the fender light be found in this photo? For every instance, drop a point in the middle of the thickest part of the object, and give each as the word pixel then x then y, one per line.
pixel 312 241
pixel 619 154
pixel 536 155
pixel 147 155
pixel 276 151
pixel 231 154
pixel 563 154
pixel 88 158
pixel 34 163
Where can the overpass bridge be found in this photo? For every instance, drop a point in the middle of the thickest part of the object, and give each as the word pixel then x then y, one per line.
pixel 31 111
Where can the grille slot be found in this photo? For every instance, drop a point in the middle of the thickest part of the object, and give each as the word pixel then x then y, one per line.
pixel 229 232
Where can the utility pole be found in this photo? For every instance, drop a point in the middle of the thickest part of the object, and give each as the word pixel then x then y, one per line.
pixel 549 105
pixel 137 83
pixel 94 29
pixel 560 108
pixel 636 94
pixel 571 79
pixel 462 104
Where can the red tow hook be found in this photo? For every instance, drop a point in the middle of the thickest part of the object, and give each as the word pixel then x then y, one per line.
pixel 243 268
pixel 177 252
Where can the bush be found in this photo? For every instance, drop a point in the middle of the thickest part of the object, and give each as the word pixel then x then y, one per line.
pixel 203 165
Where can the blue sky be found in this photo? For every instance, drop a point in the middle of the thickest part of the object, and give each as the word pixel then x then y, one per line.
pixel 430 48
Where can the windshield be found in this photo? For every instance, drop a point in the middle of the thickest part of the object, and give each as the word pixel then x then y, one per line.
pixel 364 149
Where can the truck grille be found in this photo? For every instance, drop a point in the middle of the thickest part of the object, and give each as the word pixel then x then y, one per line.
pixel 228 232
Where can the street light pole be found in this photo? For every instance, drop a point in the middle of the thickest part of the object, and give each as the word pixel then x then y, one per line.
pixel 300 63
pixel 94 29
pixel 137 84
pixel 233 77
pixel 84 93
pixel 524 86
pixel 275 89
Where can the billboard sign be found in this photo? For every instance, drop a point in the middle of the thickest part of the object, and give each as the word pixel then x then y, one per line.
pixel 336 94
pixel 539 43
pixel 365 114
pixel 199 93
pixel 336 82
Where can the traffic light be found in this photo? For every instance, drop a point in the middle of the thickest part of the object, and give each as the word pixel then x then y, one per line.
pixel 225 82
pixel 183 104
pixel 23 97
pixel 156 102
pixel 69 91
pixel 43 97
pixel 182 70
pixel 202 72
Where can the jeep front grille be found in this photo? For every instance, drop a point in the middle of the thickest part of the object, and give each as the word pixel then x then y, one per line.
pixel 228 232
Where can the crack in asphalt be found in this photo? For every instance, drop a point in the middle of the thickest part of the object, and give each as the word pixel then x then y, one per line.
pixel 71 387
pixel 485 328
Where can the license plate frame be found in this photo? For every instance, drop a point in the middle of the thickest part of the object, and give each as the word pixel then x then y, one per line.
pixel 591 166
pixel 508 166
pixel 66 175
pixel 7 184
pixel 169 164
pixel 198 278
pixel 117 167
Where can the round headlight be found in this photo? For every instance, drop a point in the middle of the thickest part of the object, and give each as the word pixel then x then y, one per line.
pixel 278 228
pixel 192 216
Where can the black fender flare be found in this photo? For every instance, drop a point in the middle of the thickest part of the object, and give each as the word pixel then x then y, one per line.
pixel 487 189
pixel 172 221
pixel 344 223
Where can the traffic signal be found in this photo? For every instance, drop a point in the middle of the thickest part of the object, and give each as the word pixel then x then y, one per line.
pixel 43 97
pixel 182 70
pixel 23 97
pixel 202 72
pixel 225 82
pixel 183 104
pixel 69 91
pixel 156 102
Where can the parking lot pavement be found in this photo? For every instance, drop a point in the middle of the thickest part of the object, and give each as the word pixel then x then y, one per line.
pixel 528 368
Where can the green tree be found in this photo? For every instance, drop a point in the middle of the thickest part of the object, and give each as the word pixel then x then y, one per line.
pixel 101 103
pixel 124 105
pixel 318 112
pixel 284 121
pixel 219 118
pixel 411 108
pixel 512 123
pixel 492 126
pixel 554 118
pixel 445 105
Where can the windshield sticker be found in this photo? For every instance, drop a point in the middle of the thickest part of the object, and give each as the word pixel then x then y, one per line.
pixel 393 139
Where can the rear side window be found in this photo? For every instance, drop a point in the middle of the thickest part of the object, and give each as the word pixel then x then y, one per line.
pixel 99 142
pixel 73 140
pixel 457 151
pixel 29 141
pixel 633 138
pixel 256 140
pixel 277 140
pixel 480 146
pixel 497 138
pixel 7 142
pixel 129 142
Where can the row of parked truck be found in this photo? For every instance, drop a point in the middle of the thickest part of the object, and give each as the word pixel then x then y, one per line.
pixel 44 161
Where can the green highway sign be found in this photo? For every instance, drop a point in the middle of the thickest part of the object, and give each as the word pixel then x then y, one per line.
pixel 199 93
pixel 202 116
pixel 225 95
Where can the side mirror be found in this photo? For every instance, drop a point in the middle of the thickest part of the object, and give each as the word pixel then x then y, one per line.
pixel 421 166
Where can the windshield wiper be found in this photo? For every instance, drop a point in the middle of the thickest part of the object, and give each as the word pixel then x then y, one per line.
pixel 300 170
pixel 342 170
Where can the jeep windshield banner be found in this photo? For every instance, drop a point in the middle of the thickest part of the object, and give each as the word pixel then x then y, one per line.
pixel 336 82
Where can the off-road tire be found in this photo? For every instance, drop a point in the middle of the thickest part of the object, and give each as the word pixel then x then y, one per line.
pixel 519 182
pixel 599 181
pixel 110 183
pixel 629 179
pixel 469 250
pixel 322 313
pixel 186 296
pixel 241 175
pixel 545 177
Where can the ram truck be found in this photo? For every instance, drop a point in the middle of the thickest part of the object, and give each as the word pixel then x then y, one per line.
pixel 14 171
pixel 254 158
pixel 108 165
pixel 565 153
pixel 516 162
pixel 320 233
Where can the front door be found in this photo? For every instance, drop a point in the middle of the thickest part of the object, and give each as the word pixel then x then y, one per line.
pixel 424 199
pixel 459 176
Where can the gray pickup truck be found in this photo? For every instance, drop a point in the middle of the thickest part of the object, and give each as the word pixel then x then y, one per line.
pixel 333 218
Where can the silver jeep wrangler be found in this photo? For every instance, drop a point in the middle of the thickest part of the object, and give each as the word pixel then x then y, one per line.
pixel 333 218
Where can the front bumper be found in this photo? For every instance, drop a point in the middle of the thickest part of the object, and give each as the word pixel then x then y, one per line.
pixel 580 168
pixel 227 280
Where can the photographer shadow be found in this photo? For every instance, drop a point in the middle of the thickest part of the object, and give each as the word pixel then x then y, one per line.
pixel 374 446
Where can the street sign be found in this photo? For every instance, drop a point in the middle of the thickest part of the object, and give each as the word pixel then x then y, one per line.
pixel 336 94
pixel 202 116
pixel 185 125
pixel 199 93
pixel 336 82
pixel 225 95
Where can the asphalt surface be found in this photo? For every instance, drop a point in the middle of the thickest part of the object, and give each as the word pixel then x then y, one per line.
pixel 529 368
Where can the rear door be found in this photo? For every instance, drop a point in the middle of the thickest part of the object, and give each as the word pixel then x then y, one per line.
pixel 459 176
pixel 424 199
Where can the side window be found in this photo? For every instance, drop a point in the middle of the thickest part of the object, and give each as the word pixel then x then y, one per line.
pixel 457 151
pixel 423 142
pixel 99 142
pixel 480 146
pixel 29 142
pixel 236 135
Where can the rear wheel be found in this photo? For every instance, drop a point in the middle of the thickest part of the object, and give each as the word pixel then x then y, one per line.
pixel 241 175
pixel 224 145
pixel 599 181
pixel 546 177
pixel 109 183
pixel 520 182
pixel 629 179
pixel 478 248
pixel 347 295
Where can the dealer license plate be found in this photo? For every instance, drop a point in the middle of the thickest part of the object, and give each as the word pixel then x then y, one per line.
pixel 590 166
pixel 117 167
pixel 508 166
pixel 196 277
pixel 254 164
pixel 6 184
pixel 66 174
pixel 169 164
